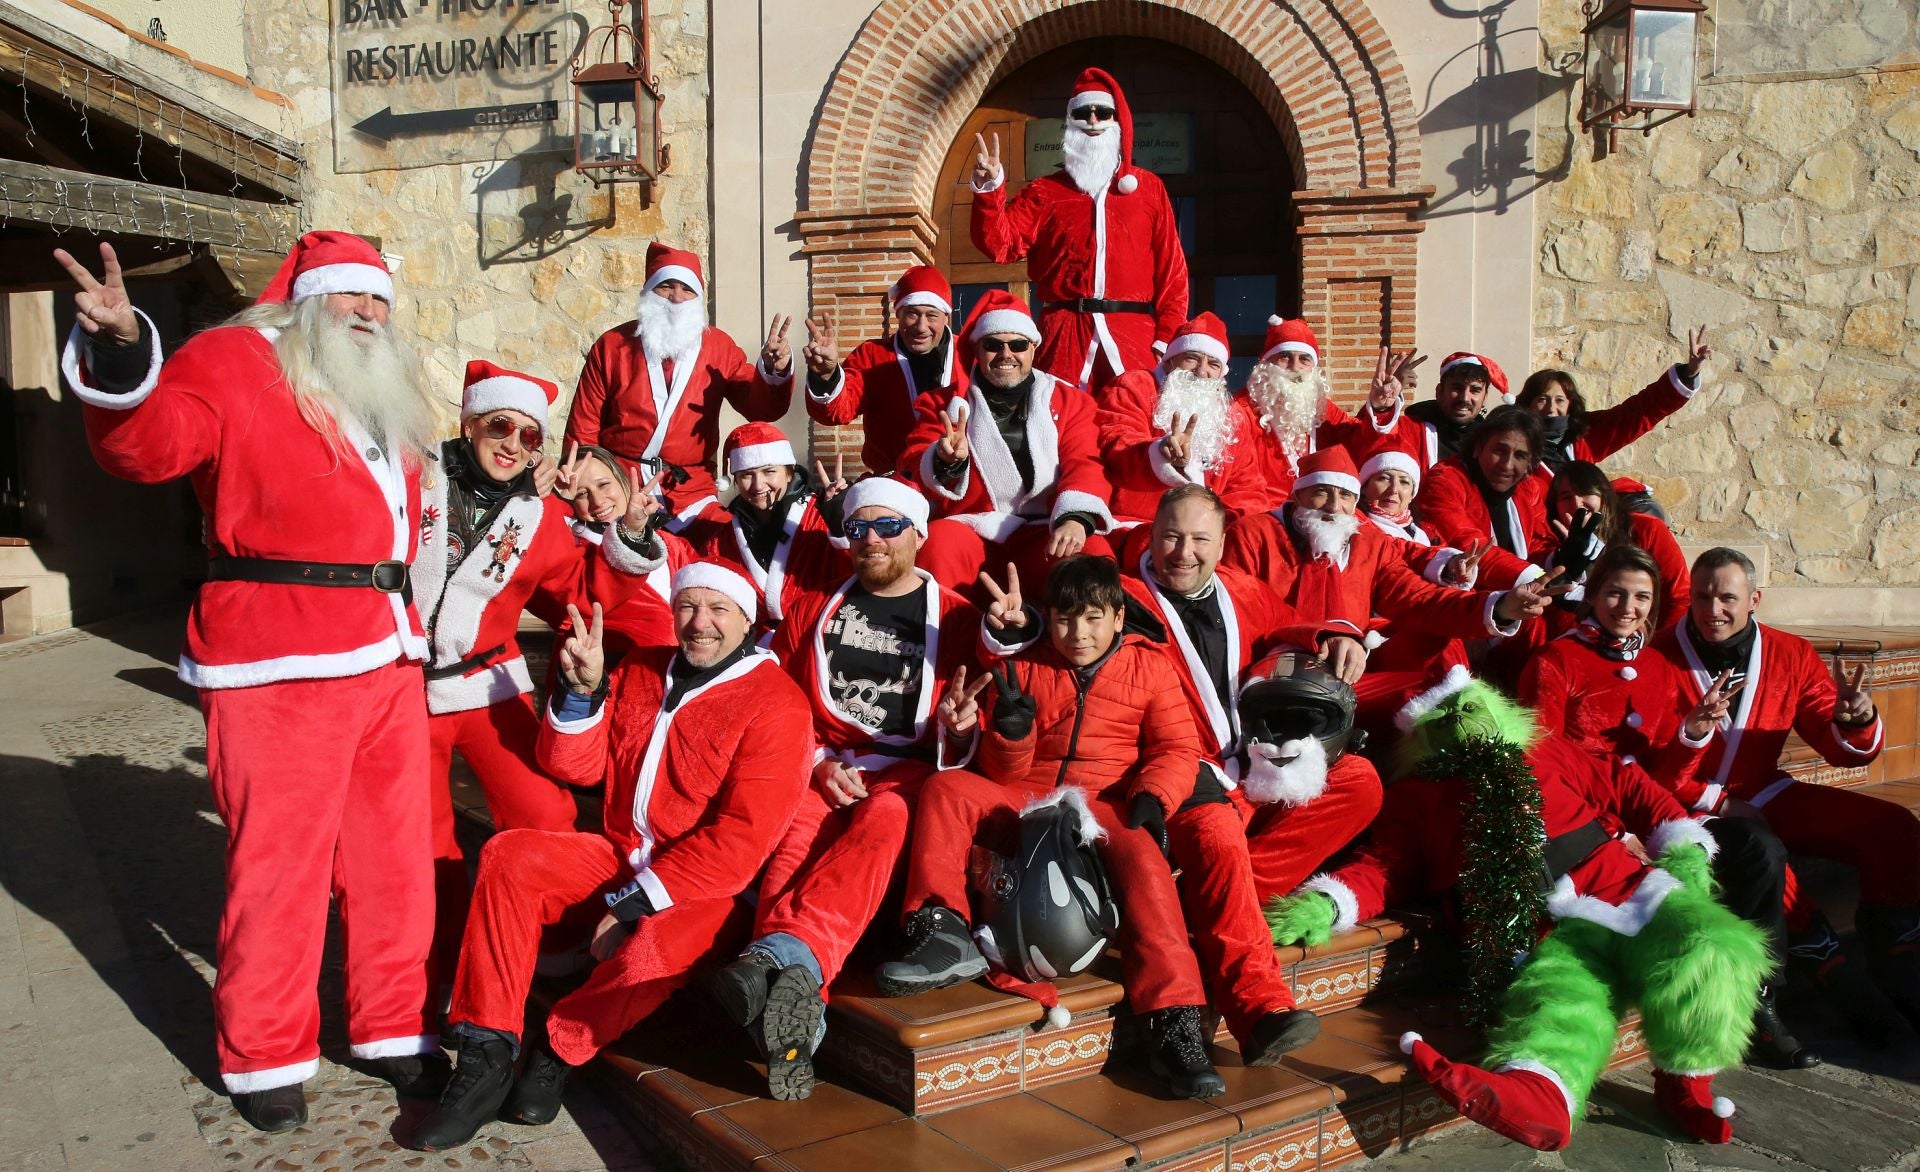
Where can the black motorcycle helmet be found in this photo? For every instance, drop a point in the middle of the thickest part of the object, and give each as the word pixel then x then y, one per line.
pixel 1048 912
pixel 1290 695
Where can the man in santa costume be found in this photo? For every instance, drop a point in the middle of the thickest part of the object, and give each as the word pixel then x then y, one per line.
pixel 1099 238
pixel 1289 404
pixel 1486 496
pixel 652 388
pixel 705 748
pixel 1784 690
pixel 303 424
pixel 1178 424
pixel 876 655
pixel 1012 465
pixel 494 541
pixel 881 380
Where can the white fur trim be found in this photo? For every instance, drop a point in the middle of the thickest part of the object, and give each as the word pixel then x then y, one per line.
pixel 506 393
pixel 396 1047
pixel 924 297
pixel 501 680
pixel 1391 460
pixel 1205 343
pixel 265 1080
pixel 344 278
pixel 93 396
pixel 1490 617
pixel 1548 1073
pixel 1346 906
pixel 1076 798
pixel 774 377
pixel 1436 568
pixel 887 493
pixel 580 725
pixel 1005 321
pixel 1873 749
pixel 657 893
pixel 626 559
pixel 330 666
pixel 1679 384
pixel 1451 685
pixel 1723 1107
pixel 1465 360
pixel 779 453
pixel 679 273
pixel 711 576
pixel 1408 1040
pixel 1090 98
pixel 833 392
pixel 1336 479
pixel 1057 1016
pixel 1372 640
pixel 1710 797
pixel 1676 831
pixel 1074 501
pixel 932 481
pixel 1291 774
pixel 998 181
pixel 1626 918
pixel 1773 790
pixel 1127 184
pixel 1163 471
pixel 1288 348
pixel 458 604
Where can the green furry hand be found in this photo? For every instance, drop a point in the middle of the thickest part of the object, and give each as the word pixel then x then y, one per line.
pixel 1306 918
pixel 1688 862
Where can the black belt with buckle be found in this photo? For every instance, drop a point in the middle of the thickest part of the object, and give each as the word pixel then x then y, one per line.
pixel 1566 851
pixel 1099 305
pixel 389 577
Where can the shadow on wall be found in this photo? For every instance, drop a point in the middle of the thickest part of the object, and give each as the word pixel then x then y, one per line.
pixel 521 215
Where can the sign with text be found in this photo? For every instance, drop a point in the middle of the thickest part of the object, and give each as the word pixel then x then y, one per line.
pixel 1162 143
pixel 418 82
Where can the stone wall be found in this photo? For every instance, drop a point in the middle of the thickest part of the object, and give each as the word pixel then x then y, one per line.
pixel 522 262
pixel 1786 215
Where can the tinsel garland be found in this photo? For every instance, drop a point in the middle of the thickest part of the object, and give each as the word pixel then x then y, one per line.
pixel 1500 900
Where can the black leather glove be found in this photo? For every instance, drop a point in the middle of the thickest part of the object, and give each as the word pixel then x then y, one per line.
pixel 1576 552
pixel 1148 814
pixel 629 903
pixel 1013 711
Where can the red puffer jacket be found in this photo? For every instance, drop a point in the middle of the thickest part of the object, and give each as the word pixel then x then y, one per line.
pixel 1127 732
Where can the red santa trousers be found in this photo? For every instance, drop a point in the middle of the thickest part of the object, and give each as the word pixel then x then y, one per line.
pixel 1876 837
pixel 954 554
pixel 497 743
pixel 533 879
pixel 959 809
pixel 849 859
pixel 318 782
pixel 1288 843
pixel 1230 935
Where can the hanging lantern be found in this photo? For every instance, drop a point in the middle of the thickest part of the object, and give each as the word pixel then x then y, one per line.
pixel 1641 60
pixel 616 105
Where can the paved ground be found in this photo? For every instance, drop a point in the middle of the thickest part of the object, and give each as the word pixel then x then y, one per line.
pixel 110 858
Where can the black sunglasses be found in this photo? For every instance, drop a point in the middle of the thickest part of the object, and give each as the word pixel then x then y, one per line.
pixel 1095 114
pixel 887 527
pixel 500 427
pixel 1014 345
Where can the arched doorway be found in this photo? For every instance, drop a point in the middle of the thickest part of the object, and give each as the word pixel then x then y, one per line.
pixel 1224 162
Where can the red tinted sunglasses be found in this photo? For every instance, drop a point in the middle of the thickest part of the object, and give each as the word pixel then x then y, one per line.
pixel 500 427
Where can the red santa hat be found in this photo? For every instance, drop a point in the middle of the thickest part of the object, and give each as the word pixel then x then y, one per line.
pixel 1096 87
pixel 1496 378
pixel 1448 686
pixel 922 285
pixel 1391 460
pixel 895 496
pixel 1328 466
pixel 712 576
pixel 1206 333
pixel 1290 335
pixel 329 262
pixel 998 312
pixel 495 388
pixel 673 264
pixel 757 445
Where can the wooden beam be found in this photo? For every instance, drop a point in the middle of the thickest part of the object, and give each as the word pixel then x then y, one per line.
pixel 75 200
pixel 61 63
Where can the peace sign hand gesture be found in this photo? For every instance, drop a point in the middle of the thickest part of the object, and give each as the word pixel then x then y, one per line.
pixel 1713 707
pixel 776 355
pixel 1464 569
pixel 642 505
pixel 960 708
pixel 567 473
pixel 986 163
pixel 1007 612
pixel 1530 599
pixel 1392 377
pixel 101 304
pixel 583 653
pixel 834 487
pixel 1698 351
pixel 822 353
pixel 1177 446
pixel 1853 707
pixel 953 445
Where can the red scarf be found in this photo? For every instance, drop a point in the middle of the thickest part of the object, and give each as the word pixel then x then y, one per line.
pixel 1618 647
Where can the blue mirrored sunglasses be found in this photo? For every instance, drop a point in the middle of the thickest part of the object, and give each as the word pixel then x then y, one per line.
pixel 887 527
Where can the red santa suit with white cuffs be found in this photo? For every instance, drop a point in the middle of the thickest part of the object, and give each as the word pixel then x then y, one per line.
pixel 698 793
pixel 659 409
pixel 1608 429
pixel 1788 690
pixel 1419 431
pixel 313 697
pixel 1107 268
pixel 1273 465
pixel 876 386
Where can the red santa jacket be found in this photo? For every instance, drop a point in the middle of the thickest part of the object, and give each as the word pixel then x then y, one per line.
pixel 1651 534
pixel 1062 439
pixel 1379 578
pixel 1788 690
pixel 1117 247
pixel 1129 733
pixel 1611 707
pixel 529 559
pixel 1271 466
pixel 807 557
pixel 1138 470
pixel 624 393
pixel 1414 849
pixel 1609 429
pixel 220 412
pixel 696 797
pixel 875 386
pixel 634 614
pixel 1451 508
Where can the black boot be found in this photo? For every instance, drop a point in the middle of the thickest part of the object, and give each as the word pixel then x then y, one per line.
pixel 942 953
pixel 274 1109
pixel 741 987
pixel 1848 986
pixel 1893 935
pixel 482 1076
pixel 1180 1053
pixel 1277 1033
pixel 414 1076
pixel 535 1099
pixel 787 1026
pixel 1772 1043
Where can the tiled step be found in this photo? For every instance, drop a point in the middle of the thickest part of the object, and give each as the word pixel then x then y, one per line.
pixel 1893 658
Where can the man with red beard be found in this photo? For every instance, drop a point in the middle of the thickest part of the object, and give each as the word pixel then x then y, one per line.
pixel 1290 410
pixel 304 425
pixel 1177 424
pixel 1099 237
pixel 880 381
pixel 652 388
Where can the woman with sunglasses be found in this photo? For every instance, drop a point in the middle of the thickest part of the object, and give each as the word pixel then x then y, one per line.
pixel 494 542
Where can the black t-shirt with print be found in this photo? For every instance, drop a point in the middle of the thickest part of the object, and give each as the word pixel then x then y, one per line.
pixel 875 650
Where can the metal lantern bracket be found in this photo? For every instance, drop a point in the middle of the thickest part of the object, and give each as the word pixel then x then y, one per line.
pixel 1639 64
pixel 613 71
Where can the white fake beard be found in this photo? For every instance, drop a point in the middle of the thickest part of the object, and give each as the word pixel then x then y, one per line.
pixel 1185 395
pixel 340 374
pixel 1291 404
pixel 671 329
pixel 1090 158
pixel 1292 773
pixel 1328 534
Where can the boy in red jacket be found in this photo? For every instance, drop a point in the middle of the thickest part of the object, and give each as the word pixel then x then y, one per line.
pixel 1103 712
